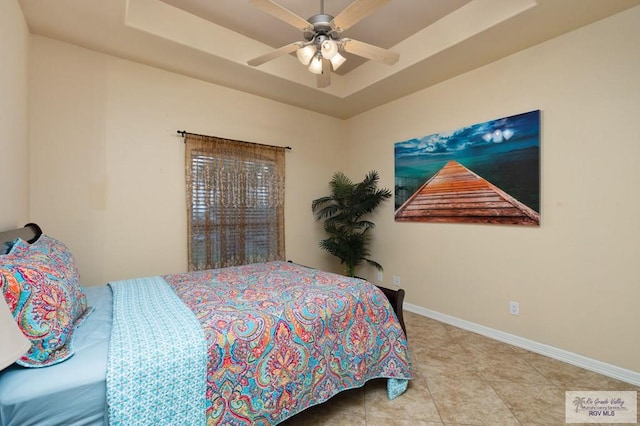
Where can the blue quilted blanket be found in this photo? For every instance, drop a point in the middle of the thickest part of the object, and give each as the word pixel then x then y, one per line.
pixel 156 371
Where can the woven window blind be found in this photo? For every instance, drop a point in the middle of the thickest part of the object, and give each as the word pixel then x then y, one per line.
pixel 235 202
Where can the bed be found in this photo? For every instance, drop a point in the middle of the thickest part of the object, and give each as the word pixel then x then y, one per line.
pixel 254 344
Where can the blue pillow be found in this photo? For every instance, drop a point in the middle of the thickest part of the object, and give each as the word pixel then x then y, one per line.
pixel 7 246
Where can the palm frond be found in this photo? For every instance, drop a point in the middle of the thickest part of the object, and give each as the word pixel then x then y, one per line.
pixel 342 212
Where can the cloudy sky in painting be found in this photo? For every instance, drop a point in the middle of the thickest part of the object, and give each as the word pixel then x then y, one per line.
pixel 508 129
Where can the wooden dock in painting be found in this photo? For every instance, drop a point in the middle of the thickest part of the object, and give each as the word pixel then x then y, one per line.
pixel 456 194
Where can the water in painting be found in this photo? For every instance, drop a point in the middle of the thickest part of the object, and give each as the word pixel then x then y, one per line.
pixel 505 152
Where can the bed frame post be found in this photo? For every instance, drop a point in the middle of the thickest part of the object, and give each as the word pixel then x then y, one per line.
pixel 396 298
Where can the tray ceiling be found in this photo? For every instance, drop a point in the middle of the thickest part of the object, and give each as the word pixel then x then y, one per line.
pixel 212 39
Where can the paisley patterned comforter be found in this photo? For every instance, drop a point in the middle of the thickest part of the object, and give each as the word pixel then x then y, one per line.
pixel 282 337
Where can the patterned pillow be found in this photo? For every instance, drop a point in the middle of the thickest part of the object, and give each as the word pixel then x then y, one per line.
pixel 17 246
pixel 51 251
pixel 41 285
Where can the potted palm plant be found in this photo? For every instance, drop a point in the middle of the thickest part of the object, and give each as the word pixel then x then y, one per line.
pixel 344 212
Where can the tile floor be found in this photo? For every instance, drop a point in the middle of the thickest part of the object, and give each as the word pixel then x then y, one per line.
pixel 462 378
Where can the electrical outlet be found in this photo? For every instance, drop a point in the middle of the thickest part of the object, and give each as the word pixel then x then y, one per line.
pixel 514 308
pixel 380 277
pixel 396 281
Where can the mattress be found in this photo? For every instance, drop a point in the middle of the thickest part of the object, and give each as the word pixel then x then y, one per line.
pixel 72 392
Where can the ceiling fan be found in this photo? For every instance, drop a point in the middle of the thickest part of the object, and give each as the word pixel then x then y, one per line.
pixel 323 39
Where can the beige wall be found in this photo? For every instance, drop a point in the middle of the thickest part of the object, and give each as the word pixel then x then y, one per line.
pixel 107 165
pixel 576 277
pixel 14 171
pixel 106 171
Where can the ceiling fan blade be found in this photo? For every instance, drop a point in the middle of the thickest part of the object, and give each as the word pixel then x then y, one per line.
pixel 369 51
pixel 282 13
pixel 324 79
pixel 355 12
pixel 274 54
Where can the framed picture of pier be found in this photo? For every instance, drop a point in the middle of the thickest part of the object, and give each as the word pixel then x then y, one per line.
pixel 483 173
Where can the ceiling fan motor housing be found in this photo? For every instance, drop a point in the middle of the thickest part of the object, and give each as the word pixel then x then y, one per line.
pixel 321 27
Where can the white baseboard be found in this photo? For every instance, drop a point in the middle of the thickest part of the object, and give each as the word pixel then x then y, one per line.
pixel 590 364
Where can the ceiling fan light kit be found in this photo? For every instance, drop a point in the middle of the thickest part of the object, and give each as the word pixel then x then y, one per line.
pixel 337 60
pixel 306 54
pixel 322 33
pixel 329 49
pixel 316 65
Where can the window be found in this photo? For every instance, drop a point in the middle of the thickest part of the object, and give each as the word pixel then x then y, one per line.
pixel 235 202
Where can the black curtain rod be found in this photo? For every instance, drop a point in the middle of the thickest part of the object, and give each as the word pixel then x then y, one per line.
pixel 184 133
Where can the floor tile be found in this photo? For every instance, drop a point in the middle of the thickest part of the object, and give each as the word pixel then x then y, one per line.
pixel 570 377
pixel 449 361
pixel 381 421
pixel 533 404
pixel 507 367
pixel 472 402
pixel 414 405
